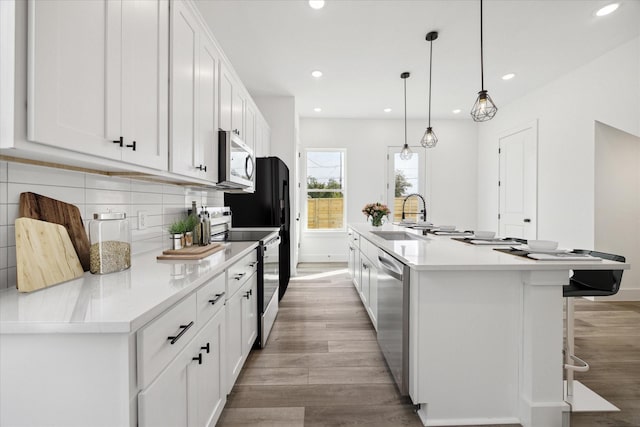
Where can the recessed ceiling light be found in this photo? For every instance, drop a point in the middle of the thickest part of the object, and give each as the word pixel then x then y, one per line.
pixel 387 110
pixel 607 9
pixel 456 111
pixel 508 76
pixel 316 4
pixel 317 74
pixel 317 109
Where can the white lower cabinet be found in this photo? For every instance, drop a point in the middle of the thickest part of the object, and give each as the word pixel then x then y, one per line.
pixel 363 272
pixel 242 327
pixel 191 390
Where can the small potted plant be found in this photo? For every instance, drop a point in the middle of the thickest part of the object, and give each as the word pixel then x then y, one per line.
pixel 176 232
pixel 377 212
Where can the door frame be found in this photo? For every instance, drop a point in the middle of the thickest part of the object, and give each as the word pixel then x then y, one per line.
pixel 504 134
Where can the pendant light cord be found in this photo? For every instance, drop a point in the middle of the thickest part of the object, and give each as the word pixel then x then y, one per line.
pixel 430 64
pixel 405 112
pixel 481 51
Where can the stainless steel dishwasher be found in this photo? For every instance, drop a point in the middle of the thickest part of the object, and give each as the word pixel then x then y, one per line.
pixel 393 317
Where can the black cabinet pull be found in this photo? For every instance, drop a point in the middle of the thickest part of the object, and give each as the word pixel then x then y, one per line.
pixel 253 264
pixel 246 295
pixel 239 276
pixel 527 220
pixel 199 358
pixel 184 329
pixel 119 141
pixel 202 168
pixel 206 347
pixel 250 291
pixel 216 298
pixel 133 145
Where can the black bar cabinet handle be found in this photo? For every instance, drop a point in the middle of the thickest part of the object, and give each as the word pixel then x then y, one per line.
pixel 216 298
pixel 133 145
pixel 119 141
pixel 527 220
pixel 206 347
pixel 184 329
pixel 202 168
pixel 246 295
pixel 239 276
pixel 199 358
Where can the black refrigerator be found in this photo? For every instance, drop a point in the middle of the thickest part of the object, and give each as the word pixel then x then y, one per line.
pixel 268 206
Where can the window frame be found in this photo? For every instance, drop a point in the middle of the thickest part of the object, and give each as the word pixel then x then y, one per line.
pixel 305 197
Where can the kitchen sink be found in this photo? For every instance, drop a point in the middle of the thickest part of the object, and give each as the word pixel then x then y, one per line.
pixel 398 235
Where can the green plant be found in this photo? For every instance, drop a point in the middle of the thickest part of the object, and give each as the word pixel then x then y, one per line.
pixel 178 227
pixel 191 222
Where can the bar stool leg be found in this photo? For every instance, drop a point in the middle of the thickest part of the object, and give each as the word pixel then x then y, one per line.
pixel 569 344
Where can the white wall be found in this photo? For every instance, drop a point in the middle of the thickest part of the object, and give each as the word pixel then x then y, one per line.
pixel 617 202
pixel 451 172
pixel 606 89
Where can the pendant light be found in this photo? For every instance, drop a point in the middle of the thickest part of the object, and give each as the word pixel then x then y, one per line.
pixel 484 109
pixel 406 153
pixel 429 139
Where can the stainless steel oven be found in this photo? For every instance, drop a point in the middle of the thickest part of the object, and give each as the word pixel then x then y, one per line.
pixel 271 283
pixel 268 239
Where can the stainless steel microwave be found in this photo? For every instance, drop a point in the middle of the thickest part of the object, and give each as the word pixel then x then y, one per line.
pixel 236 162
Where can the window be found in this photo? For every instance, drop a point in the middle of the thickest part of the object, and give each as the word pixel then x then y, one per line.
pixel 325 187
pixel 405 177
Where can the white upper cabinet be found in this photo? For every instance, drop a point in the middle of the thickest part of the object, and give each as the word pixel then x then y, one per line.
pixel 226 98
pixel 250 125
pixel 98 74
pixel 194 119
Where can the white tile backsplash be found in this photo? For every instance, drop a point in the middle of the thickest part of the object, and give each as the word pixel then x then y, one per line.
pixel 92 193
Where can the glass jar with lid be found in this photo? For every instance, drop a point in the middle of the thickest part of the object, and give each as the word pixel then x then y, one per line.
pixel 110 239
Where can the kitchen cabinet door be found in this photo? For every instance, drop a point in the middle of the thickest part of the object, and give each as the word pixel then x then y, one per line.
pixel 373 295
pixel 98 80
pixel 234 340
pixel 166 401
pixel 145 88
pixel 250 126
pixel 249 314
pixel 210 392
pixel 238 102
pixel 365 273
pixel 194 66
pixel 74 75
pixel 226 98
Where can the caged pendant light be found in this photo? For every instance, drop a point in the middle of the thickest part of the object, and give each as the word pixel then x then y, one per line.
pixel 429 139
pixel 406 153
pixel 484 109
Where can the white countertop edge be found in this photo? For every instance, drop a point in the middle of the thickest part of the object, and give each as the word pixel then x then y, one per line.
pixel 8 327
pixel 485 258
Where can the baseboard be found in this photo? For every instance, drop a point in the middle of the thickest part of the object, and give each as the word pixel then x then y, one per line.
pixel 622 295
pixel 321 258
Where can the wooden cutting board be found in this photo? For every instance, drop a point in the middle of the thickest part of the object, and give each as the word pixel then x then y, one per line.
pixel 44 208
pixel 193 252
pixel 45 255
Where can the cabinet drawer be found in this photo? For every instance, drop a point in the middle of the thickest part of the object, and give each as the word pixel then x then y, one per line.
pixel 239 272
pixel 163 338
pixel 210 298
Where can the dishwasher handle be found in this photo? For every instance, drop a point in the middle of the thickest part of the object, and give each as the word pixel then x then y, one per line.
pixel 390 267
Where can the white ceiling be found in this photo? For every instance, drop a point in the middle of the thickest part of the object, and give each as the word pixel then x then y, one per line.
pixel 363 46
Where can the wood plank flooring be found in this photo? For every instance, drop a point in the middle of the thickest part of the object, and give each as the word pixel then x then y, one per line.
pixel 322 365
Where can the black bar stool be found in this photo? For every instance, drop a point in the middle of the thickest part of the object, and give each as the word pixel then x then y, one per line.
pixel 586 283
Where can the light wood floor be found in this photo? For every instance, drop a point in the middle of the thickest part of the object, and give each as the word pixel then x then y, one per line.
pixel 322 365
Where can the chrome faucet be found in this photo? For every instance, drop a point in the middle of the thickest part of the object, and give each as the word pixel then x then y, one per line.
pixel 423 212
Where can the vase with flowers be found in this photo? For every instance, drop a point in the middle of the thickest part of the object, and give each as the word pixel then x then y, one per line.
pixel 377 212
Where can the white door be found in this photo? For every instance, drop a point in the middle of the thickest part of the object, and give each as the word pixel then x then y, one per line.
pixel 226 95
pixel 518 158
pixel 405 177
pixel 249 314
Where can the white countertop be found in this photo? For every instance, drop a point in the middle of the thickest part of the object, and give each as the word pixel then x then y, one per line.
pixel 434 252
pixel 113 303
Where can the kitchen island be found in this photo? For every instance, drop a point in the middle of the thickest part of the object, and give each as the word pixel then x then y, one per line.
pixel 485 328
